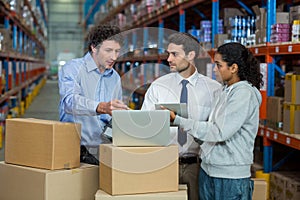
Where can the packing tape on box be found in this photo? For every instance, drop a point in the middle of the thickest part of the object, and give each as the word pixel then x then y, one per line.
pixel 292 108
pixel 266 176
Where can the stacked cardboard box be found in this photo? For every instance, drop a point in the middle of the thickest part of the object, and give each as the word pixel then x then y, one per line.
pixel 285 185
pixel 180 195
pixel 260 189
pixel 261 22
pixel 137 169
pixel 294 13
pixel 291 108
pixel 274 112
pixel 42 162
pixel 28 183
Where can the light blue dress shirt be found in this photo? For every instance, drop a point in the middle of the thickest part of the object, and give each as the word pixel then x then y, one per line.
pixel 81 88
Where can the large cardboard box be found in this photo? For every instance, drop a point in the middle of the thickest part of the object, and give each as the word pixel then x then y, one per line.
pixel 285 185
pixel 260 36
pixel 220 39
pixel 282 18
pixel 291 118
pixel 292 191
pixel 260 189
pixel 26 183
pixel 277 185
pixel 229 13
pixel 42 143
pixel 136 170
pixel 261 17
pixel 274 112
pixel 294 13
pixel 292 89
pixel 179 195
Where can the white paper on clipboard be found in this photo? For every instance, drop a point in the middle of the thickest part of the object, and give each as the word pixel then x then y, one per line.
pixel 179 108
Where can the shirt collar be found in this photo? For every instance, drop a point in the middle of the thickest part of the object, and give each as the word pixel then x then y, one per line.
pixel 91 65
pixel 192 79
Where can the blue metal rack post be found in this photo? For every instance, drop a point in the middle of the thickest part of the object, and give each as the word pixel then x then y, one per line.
pixel 145 40
pixel 215 18
pixel 181 20
pixel 271 19
pixel 160 36
pixel 15 36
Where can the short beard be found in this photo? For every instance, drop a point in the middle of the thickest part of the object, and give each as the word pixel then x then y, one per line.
pixel 184 69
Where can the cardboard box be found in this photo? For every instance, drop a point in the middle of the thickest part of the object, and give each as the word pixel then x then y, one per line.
pixel 137 170
pixel 260 189
pixel 282 18
pixel 285 185
pixel 260 36
pixel 42 143
pixel 292 89
pixel 180 195
pixel 274 112
pixel 220 39
pixel 229 13
pixel 261 17
pixel 292 191
pixel 294 13
pixel 294 16
pixel 291 118
pixel 26 183
pixel 277 185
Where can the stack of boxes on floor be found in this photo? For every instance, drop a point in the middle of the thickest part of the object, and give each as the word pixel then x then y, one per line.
pixel 42 162
pixel 139 172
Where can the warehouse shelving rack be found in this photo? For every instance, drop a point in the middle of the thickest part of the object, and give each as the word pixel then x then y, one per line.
pixel 22 62
pixel 267 51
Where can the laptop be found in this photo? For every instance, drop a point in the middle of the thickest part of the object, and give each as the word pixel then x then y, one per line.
pixel 141 128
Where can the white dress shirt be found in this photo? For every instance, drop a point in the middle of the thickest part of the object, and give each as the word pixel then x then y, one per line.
pixel 167 89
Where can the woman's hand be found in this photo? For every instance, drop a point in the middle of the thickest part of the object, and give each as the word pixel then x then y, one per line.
pixel 172 113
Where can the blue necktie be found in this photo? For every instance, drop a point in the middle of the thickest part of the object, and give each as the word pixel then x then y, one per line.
pixel 182 137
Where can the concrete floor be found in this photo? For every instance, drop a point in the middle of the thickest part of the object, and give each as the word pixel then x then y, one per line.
pixel 44 106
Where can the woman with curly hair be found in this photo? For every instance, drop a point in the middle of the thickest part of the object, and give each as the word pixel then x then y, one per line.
pixel 90 89
pixel 228 135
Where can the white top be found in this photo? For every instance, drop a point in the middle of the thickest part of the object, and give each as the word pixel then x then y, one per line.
pixel 167 89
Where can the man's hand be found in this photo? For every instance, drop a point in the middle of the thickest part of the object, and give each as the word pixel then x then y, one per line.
pixel 108 107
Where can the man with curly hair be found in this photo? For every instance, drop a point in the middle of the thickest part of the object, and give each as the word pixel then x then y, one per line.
pixel 90 89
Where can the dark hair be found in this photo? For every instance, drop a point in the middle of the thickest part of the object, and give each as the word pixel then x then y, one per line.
pixel 189 42
pixel 100 33
pixel 249 67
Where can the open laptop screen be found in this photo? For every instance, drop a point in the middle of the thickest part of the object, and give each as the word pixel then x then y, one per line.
pixel 141 128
